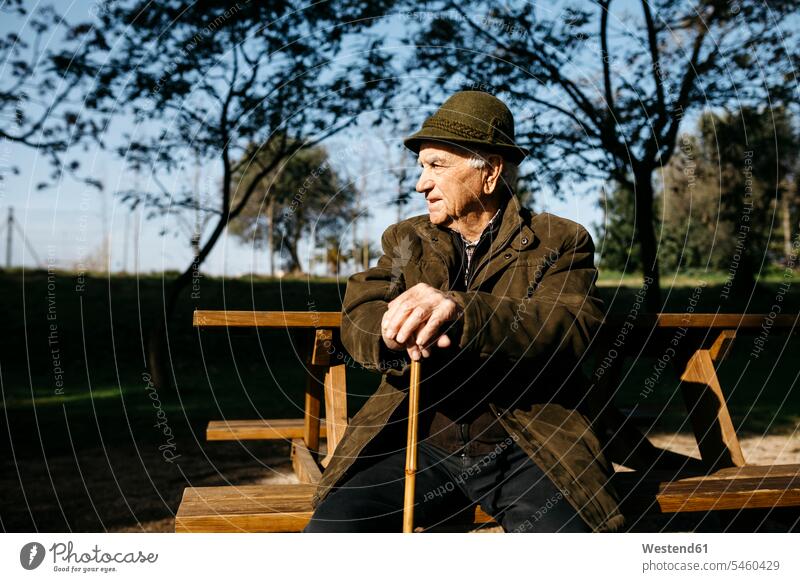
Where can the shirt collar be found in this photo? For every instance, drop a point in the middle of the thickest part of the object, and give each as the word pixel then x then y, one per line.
pixel 492 226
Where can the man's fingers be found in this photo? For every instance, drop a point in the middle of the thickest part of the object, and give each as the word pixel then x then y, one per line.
pixel 395 320
pixel 431 327
pixel 410 325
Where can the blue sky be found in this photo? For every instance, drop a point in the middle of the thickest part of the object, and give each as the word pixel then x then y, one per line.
pixel 69 225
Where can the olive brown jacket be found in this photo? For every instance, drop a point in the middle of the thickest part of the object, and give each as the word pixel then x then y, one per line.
pixel 530 313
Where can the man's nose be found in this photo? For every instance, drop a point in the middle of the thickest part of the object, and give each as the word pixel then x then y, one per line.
pixel 424 184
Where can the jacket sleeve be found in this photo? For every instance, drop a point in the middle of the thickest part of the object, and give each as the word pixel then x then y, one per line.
pixel 557 321
pixel 366 299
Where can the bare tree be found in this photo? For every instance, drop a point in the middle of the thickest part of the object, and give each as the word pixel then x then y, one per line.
pixel 210 79
pixel 604 87
pixel 47 69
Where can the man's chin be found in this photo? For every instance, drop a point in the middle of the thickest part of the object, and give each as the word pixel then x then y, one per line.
pixel 438 218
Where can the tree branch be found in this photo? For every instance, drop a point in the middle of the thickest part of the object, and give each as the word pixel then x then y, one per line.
pixel 572 90
pixel 606 56
pixel 652 41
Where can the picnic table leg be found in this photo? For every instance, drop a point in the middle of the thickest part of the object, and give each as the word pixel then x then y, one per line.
pixel 623 442
pixel 316 362
pixel 335 408
pixel 708 411
pixel 311 412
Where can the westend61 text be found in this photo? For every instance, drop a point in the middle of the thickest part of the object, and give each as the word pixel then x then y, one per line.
pixel 675 549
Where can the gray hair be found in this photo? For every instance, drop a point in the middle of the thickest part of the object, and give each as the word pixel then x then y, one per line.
pixel 509 175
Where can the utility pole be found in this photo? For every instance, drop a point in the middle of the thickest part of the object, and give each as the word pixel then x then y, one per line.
pixel 356 213
pixel 105 246
pixel 9 238
pixel 271 233
pixel 136 226
pixel 12 224
pixel 125 242
pixel 362 257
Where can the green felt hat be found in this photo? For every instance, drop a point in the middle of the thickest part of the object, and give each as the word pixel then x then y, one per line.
pixel 471 119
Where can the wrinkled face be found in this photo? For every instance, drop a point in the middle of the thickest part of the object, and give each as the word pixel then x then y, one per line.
pixel 451 186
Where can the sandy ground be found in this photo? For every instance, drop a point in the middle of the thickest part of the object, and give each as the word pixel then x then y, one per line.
pixel 133 490
pixel 763 450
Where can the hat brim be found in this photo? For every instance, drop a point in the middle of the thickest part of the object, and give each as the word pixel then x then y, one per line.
pixel 513 153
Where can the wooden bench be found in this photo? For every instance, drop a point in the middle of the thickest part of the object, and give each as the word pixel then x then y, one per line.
pixel 259 430
pixel 749 487
pixel 660 481
pixel 264 509
pixel 283 508
pixel 663 481
pixel 325 376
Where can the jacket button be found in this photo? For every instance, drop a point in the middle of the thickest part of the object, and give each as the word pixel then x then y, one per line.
pixel 507 255
pixel 525 240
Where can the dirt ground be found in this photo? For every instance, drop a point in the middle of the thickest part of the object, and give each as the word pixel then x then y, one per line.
pixel 132 490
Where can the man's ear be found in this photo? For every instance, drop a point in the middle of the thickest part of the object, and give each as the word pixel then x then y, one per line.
pixel 493 169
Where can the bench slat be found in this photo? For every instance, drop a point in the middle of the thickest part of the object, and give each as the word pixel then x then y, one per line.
pixel 252 508
pixel 303 463
pixel 268 319
pixel 729 494
pixel 749 487
pixel 262 429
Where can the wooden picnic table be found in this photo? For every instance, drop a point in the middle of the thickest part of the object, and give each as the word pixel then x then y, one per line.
pixel 694 343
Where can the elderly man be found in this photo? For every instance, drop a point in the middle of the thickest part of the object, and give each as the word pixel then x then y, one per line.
pixel 500 304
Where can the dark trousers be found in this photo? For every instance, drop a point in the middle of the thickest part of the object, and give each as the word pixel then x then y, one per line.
pixel 506 483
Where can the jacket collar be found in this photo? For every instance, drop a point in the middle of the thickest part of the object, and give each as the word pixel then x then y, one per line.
pixel 515 233
pixel 515 227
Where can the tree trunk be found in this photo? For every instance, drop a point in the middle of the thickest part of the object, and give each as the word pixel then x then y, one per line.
pixel 786 224
pixel 643 196
pixel 294 266
pixel 158 360
pixel 271 235
pixel 157 355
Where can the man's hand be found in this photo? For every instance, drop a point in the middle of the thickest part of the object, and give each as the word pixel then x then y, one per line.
pixel 415 318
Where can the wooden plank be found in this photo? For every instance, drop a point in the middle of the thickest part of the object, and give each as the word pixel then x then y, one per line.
pixel 722 345
pixel 312 409
pixel 335 408
pixel 252 508
pixel 717 494
pixel 261 429
pixel 333 319
pixel 748 472
pixel 730 488
pixel 267 319
pixel 321 349
pixel 712 321
pixel 290 493
pixel 711 421
pixel 628 479
pixel 303 463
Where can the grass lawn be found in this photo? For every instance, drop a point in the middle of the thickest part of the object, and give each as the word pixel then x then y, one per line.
pixel 95 340
pixel 85 430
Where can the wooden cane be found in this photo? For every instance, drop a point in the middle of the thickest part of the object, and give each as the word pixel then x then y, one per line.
pixel 411 448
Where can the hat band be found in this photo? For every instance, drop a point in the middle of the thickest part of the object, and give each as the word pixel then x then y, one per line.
pixel 461 129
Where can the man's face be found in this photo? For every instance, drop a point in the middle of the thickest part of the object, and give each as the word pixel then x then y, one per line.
pixel 451 186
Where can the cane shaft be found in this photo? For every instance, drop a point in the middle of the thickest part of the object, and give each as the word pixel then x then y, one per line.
pixel 411 448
